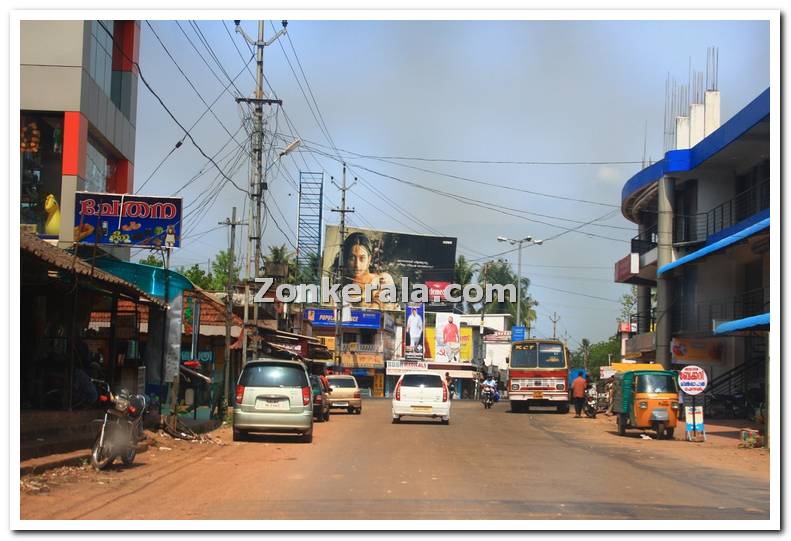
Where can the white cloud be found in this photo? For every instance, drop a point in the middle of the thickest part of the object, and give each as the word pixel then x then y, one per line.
pixel 607 174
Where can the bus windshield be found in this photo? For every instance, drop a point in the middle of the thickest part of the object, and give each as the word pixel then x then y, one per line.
pixel 537 355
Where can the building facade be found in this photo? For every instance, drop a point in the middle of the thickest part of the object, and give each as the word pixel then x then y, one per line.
pixel 703 248
pixel 78 100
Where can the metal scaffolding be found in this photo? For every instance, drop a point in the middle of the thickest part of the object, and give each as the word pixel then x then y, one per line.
pixel 311 192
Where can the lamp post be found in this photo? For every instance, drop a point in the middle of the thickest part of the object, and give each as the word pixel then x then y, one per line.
pixel 519 243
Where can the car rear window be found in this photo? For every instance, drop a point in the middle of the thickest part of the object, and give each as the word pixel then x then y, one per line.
pixel 421 380
pixel 273 375
pixel 346 383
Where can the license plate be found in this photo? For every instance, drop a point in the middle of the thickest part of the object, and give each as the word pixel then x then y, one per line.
pixel 340 404
pixel 538 394
pixel 271 404
pixel 421 408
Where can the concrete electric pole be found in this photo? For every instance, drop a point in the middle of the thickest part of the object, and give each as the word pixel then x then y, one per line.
pixel 554 319
pixel 229 306
pixel 341 263
pixel 258 178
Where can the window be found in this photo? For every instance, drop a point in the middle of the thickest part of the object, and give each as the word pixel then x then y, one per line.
pixel 655 383
pixel 342 382
pixel 41 160
pixel 273 375
pixel 100 65
pixel 97 169
pixel 422 380
pixel 538 355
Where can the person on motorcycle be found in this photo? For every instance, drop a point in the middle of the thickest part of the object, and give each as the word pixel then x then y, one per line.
pixel 490 384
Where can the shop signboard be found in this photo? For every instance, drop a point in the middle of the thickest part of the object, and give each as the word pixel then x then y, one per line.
pixel 517 333
pixel 694 418
pixel 447 338
pixel 325 317
pixel 696 350
pixel 498 336
pixel 466 345
pixel 407 365
pixel 127 220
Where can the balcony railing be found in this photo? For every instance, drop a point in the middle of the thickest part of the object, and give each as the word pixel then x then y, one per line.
pixel 642 324
pixel 698 227
pixel 699 317
pixel 645 241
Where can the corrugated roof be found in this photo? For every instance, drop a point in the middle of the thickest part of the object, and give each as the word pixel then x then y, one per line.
pixel 31 244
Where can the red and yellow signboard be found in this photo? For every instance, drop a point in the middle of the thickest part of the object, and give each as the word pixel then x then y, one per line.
pixel 695 350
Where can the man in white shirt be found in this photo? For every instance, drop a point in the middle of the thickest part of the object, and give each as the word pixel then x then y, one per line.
pixel 414 325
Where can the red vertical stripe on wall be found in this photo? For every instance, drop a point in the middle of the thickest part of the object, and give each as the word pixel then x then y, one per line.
pixel 123 180
pixel 75 143
pixel 126 34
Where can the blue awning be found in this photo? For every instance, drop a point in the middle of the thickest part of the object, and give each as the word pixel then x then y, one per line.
pixel 755 323
pixel 719 245
pixel 152 280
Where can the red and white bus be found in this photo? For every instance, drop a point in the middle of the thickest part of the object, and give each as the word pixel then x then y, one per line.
pixel 538 375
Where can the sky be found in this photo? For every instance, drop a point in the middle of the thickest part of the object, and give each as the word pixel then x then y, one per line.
pixel 517 91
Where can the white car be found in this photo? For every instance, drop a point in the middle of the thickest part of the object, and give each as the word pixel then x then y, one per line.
pixel 421 394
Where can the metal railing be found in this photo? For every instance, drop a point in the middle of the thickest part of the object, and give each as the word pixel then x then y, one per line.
pixel 645 241
pixel 643 323
pixel 699 317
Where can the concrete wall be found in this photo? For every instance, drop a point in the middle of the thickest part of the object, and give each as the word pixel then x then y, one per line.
pixel 497 353
pixel 500 322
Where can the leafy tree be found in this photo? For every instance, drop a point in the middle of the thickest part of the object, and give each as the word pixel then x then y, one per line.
pixel 220 268
pixel 628 305
pixel 598 354
pixel 152 259
pixel 310 273
pixel 500 272
pixel 198 276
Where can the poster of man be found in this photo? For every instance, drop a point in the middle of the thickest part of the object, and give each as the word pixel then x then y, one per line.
pixel 413 339
pixel 448 339
pixel 380 258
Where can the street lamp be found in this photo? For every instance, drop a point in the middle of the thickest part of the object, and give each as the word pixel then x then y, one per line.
pixel 519 243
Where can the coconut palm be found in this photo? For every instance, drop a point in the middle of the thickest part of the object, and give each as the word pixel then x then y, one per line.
pixel 500 272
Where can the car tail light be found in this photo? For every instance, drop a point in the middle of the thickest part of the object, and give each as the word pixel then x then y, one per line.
pixel 305 396
pixel 444 393
pixel 398 391
pixel 239 393
pixel 103 398
pixel 132 410
pixel 357 394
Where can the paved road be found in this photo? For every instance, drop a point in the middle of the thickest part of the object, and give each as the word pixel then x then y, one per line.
pixel 487 464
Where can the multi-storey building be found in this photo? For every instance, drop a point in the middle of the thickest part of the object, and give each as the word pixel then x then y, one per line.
pixel 703 247
pixel 78 99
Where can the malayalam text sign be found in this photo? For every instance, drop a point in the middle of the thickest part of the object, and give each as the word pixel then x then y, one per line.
pixel 692 380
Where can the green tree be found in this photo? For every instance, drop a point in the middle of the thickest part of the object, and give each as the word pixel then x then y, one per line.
pixel 310 273
pixel 500 272
pixel 598 354
pixel 278 256
pixel 198 276
pixel 464 273
pixel 152 259
pixel 628 305
pixel 220 268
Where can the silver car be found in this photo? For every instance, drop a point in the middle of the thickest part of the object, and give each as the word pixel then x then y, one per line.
pixel 273 395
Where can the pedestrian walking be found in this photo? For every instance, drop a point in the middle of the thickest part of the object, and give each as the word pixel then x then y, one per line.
pixel 449 383
pixel 578 387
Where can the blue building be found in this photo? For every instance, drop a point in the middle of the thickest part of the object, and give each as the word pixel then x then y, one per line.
pixel 703 248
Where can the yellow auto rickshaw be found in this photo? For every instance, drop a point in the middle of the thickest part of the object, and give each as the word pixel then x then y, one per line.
pixel 646 399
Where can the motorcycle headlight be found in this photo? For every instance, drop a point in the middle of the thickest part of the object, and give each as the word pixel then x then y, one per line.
pixel 121 403
pixel 674 405
pixel 643 405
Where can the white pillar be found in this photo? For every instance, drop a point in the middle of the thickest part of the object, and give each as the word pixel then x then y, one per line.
pixel 712 107
pixel 696 124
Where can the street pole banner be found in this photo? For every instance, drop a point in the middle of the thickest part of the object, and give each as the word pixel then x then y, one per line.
pixel 127 220
pixel 448 340
pixel 413 337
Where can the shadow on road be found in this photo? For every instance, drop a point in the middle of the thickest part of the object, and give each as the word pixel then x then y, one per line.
pixel 271 438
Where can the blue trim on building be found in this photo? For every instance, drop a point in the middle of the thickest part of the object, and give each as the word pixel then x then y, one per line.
pixel 719 245
pixel 747 222
pixel 753 322
pixel 153 280
pixel 688 159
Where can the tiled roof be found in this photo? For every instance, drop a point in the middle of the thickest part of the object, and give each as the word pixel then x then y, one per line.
pixel 31 244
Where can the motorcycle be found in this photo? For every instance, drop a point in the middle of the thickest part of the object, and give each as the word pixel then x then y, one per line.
pixel 591 402
pixel 122 427
pixel 487 397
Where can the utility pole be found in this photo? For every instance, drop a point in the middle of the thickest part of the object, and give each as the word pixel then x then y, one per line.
pixel 258 178
pixel 229 307
pixel 341 263
pixel 554 319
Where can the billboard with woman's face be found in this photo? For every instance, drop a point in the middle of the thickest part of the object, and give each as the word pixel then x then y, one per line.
pixel 381 257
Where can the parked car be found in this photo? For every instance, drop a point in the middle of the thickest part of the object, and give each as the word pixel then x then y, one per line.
pixel 321 399
pixel 273 395
pixel 345 393
pixel 421 394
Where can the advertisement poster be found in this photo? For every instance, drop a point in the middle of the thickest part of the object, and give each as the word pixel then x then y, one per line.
pixel 381 257
pixel 325 317
pixel 448 339
pixel 413 332
pixel 430 343
pixel 696 350
pixel 127 220
pixel 466 344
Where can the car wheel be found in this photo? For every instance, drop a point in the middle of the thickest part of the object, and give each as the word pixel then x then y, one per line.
pixel 306 437
pixel 327 415
pixel 359 411
pixel 349 410
pixel 563 409
pixel 621 424
pixel 669 433
pixel 239 435
pixel 396 419
pixel 446 421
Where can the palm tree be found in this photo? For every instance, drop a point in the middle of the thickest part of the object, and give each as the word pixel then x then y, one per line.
pixel 585 349
pixel 464 272
pixel 500 272
pixel 280 264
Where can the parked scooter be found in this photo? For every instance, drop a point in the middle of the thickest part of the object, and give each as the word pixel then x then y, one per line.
pixel 591 402
pixel 122 427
